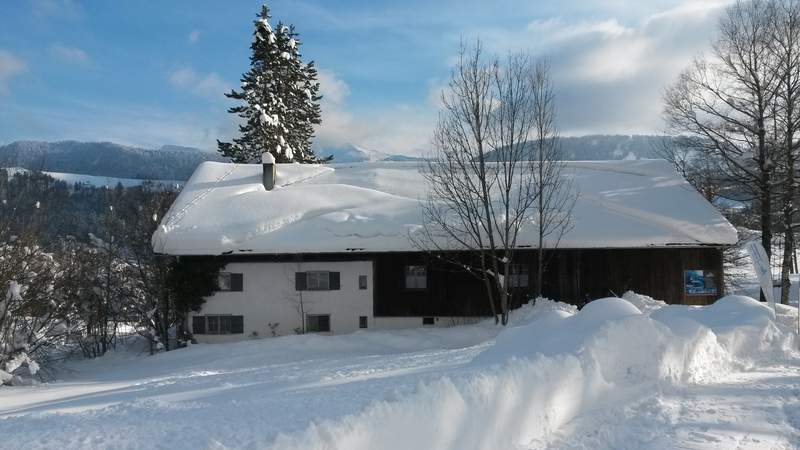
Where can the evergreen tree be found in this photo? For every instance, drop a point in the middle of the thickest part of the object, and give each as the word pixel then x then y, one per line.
pixel 280 96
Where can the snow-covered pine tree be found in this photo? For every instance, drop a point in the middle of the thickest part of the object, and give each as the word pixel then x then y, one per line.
pixel 280 96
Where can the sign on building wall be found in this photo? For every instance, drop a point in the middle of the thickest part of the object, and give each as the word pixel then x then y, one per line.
pixel 699 282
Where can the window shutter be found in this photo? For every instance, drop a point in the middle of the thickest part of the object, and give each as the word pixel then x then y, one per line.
pixel 299 281
pixel 198 325
pixel 333 281
pixel 237 282
pixel 237 324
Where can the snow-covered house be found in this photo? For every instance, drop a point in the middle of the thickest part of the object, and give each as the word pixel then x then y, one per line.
pixel 328 248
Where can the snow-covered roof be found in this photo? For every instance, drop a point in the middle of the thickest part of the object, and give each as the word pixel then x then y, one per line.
pixel 372 207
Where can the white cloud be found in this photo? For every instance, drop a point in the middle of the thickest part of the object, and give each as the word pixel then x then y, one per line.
pixel 399 129
pixel 73 55
pixel 333 89
pixel 10 66
pixel 208 85
pixel 610 71
pixel 194 36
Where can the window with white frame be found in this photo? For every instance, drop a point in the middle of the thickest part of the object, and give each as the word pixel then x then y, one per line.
pixel 218 324
pixel 317 281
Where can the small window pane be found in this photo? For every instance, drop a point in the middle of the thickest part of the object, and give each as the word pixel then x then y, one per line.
pixel 416 277
pixel 317 281
pixel 427 321
pixel 362 322
pixel 318 323
pixel 225 325
pixel 213 324
pixel 362 282
pixel 224 281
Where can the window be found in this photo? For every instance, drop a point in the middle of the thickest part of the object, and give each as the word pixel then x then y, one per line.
pixel 362 283
pixel 218 324
pixel 427 321
pixel 198 325
pixel 519 276
pixel 212 325
pixel 362 322
pixel 318 323
pixel 416 277
pixel 316 281
pixel 230 282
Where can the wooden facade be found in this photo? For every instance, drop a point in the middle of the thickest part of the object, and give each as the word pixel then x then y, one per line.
pixel 573 275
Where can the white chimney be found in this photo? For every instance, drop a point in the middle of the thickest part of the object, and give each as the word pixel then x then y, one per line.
pixel 268 164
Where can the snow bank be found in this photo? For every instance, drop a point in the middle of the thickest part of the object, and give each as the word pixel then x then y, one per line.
pixel 553 363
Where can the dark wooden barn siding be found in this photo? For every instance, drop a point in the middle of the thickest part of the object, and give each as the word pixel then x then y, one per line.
pixel 451 291
pixel 572 275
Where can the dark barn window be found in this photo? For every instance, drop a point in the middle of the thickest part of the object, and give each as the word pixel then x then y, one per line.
pixel 362 282
pixel 427 321
pixel 519 275
pixel 362 322
pixel 416 277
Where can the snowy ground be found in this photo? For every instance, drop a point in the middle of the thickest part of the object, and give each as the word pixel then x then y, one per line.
pixel 608 377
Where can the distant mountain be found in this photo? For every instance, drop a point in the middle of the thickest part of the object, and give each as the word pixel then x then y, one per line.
pixel 353 153
pixel 173 162
pixel 105 159
pixel 601 147
pixel 614 146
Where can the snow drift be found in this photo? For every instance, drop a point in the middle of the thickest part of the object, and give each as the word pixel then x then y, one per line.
pixel 553 363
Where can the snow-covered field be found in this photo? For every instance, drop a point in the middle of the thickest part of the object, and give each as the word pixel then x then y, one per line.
pixel 619 374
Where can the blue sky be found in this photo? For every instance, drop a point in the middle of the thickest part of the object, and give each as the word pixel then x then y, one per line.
pixel 153 73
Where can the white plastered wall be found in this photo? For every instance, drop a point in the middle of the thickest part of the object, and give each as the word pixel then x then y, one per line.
pixel 269 296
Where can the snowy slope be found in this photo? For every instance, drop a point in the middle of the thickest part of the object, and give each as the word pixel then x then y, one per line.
pixel 354 153
pixel 375 206
pixel 607 377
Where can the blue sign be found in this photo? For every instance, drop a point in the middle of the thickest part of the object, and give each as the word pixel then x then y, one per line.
pixel 699 282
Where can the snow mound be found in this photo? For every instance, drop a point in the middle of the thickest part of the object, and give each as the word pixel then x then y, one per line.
pixel 551 365
pixel 745 327
pixel 645 303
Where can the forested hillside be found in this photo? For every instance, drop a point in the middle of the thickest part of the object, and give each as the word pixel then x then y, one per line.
pixel 105 159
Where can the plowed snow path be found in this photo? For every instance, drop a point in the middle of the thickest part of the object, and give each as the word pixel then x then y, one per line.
pixel 759 409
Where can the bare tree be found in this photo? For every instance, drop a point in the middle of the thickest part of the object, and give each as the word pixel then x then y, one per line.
pixel 554 191
pixel 482 182
pixel 295 296
pixel 784 48
pixel 721 107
